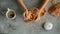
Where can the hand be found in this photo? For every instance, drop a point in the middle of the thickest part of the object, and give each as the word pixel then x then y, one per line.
pixel 37 17
pixel 26 15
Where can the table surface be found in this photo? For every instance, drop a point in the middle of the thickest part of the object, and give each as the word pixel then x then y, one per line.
pixel 18 26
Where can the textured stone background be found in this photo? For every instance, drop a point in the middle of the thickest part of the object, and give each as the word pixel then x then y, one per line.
pixel 18 26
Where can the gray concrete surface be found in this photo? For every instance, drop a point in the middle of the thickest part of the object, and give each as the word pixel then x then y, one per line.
pixel 18 26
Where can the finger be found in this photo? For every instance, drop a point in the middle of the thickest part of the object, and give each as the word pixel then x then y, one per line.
pixel 24 16
pixel 37 18
pixel 26 11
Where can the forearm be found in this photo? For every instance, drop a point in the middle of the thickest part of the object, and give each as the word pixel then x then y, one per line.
pixel 43 5
pixel 22 4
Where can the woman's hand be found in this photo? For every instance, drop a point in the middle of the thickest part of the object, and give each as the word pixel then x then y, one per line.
pixel 42 7
pixel 26 15
pixel 37 17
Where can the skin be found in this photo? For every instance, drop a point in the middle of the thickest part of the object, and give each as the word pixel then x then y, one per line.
pixel 42 7
pixel 26 15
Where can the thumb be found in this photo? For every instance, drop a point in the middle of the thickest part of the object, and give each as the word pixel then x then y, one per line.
pixel 38 17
